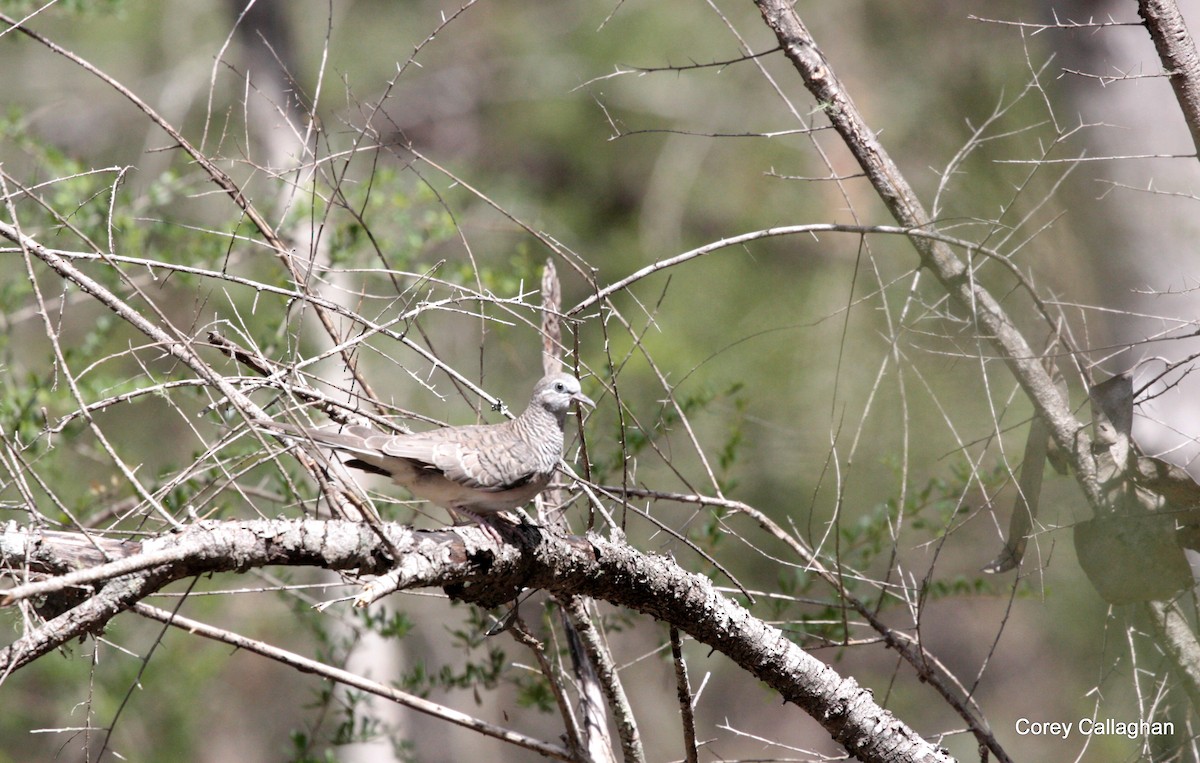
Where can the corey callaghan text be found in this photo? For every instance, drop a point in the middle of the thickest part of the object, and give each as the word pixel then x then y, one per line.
pixel 1094 727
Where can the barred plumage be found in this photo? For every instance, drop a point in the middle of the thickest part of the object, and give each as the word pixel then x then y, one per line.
pixel 474 470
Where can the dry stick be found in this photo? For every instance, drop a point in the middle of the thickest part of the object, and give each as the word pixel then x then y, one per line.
pixel 972 248
pixel 575 741
pixel 551 320
pixel 599 745
pixel 270 371
pixel 1169 623
pixel 219 176
pixel 175 347
pixel 1177 50
pixel 60 361
pixel 350 679
pixel 955 277
pixel 83 577
pixel 684 693
pixel 88 617
pixel 601 658
pixel 615 314
pixel 546 241
pixel 602 295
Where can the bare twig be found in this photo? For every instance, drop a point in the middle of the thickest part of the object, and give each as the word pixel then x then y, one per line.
pixel 353 680
pixel 551 320
pixel 900 199
pixel 574 737
pixel 218 176
pixel 1037 27
pixel 683 692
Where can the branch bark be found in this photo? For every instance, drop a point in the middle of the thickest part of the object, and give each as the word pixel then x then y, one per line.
pixel 471 569
pixel 1177 51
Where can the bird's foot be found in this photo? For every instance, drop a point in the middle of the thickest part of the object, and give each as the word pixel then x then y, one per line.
pixel 491 523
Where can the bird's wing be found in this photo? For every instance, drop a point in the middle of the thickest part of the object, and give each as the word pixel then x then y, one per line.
pixel 346 439
pixel 490 458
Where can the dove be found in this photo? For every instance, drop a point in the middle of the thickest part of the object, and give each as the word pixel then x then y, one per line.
pixel 475 471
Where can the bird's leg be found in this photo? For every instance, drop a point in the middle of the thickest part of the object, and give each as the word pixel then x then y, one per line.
pixel 486 522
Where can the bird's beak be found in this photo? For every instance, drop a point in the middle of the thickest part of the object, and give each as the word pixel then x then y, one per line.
pixel 583 399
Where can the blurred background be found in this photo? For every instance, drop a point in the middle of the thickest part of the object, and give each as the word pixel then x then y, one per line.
pixel 830 384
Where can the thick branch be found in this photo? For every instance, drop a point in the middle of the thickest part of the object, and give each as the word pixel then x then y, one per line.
pixel 88 617
pixel 473 570
pixel 1177 51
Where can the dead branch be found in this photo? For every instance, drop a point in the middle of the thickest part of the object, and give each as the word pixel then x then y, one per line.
pixel 904 205
pixel 1177 51
pixel 470 569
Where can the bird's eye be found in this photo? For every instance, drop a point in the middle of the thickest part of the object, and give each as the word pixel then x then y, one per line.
pixel 559 387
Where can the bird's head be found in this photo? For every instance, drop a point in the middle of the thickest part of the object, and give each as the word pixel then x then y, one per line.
pixel 556 392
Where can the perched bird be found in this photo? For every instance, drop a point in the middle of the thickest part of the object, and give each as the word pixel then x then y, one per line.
pixel 475 471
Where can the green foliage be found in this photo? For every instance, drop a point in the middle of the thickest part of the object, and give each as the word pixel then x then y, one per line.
pixel 702 399
pixel 385 623
pixel 303 750
pixel 342 716
pixel 69 192
pixel 476 672
pixel 932 508
pixel 354 725
pixel 533 691
pixel 80 8
pixel 959 585
pixel 868 541
pixel 389 221
pixel 727 453
pixel 328 703
pixel 21 405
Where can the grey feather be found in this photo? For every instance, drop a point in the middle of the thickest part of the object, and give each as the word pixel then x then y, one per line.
pixel 475 469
